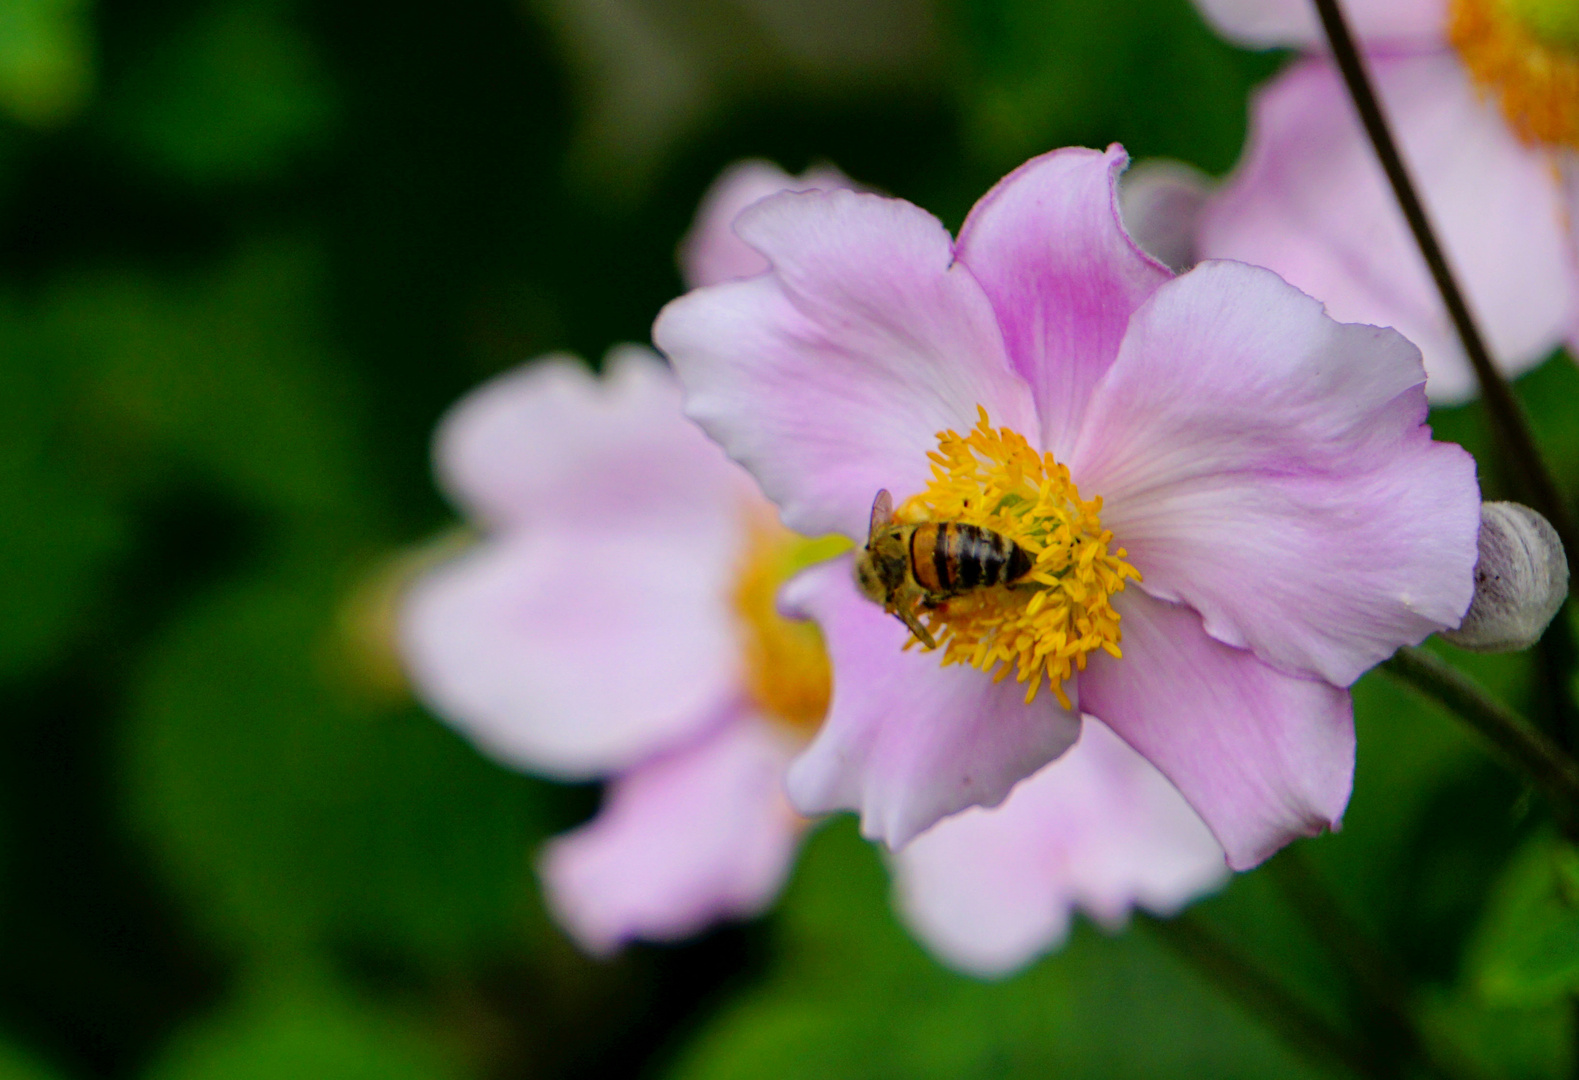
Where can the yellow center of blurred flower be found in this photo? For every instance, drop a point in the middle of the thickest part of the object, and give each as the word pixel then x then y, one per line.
pixel 787 671
pixel 1049 621
pixel 1526 52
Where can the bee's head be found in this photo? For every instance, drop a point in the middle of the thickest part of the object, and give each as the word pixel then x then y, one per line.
pixel 880 566
pixel 868 579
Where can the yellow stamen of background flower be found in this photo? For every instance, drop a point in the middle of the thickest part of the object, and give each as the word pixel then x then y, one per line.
pixel 1046 624
pixel 1526 53
pixel 786 664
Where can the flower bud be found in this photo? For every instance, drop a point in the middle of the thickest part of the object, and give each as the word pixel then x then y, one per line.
pixel 1521 580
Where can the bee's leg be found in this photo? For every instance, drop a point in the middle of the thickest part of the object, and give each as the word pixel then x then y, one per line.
pixel 908 617
pixel 905 608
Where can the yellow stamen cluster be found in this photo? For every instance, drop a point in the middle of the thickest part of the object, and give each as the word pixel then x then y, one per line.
pixel 1529 58
pixel 786 664
pixel 1050 621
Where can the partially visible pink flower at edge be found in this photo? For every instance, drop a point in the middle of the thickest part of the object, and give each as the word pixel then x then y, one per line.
pixel 711 252
pixel 589 635
pixel 1309 200
pixel 593 633
pixel 1265 468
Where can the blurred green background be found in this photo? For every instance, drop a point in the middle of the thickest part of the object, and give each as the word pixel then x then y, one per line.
pixel 249 251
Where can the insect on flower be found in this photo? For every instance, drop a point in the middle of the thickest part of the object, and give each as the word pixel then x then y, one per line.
pixel 673 673
pixel 904 567
pixel 1230 500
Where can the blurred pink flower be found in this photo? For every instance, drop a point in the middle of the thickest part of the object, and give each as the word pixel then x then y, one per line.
pixel 1485 146
pixel 601 629
pixel 1266 469
pixel 711 252
pixel 594 633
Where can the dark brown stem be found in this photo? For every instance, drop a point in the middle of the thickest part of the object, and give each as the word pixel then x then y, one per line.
pixel 1519 742
pixel 1507 417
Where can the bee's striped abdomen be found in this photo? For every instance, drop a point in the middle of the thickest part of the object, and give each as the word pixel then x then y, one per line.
pixel 948 557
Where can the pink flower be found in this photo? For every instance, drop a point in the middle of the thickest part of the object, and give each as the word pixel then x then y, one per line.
pixel 598 631
pixel 1099 829
pixel 615 622
pixel 1487 116
pixel 1243 483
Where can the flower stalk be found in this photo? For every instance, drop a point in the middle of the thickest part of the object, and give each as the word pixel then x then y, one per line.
pixel 1506 415
pixel 1258 993
pixel 1302 1028
pixel 1518 741
pixel 1378 977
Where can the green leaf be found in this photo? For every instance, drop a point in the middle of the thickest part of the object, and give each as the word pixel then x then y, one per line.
pixel 299 1029
pixel 46 59
pixel 1500 1042
pixel 18 1065
pixel 1527 950
pixel 235 93
pixel 294 814
pixel 228 376
pixel 62 533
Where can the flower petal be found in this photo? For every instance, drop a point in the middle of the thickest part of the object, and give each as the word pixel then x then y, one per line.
pixel 1266 23
pixel 552 442
pixel 829 377
pixel 1271 468
pixel 682 841
pixel 711 252
pixel 1309 201
pixel 1161 200
pixel 1263 757
pixel 575 653
pixel 907 741
pixel 1100 829
pixel 1050 250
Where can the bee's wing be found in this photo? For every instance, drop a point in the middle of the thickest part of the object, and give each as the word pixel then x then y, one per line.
pixel 882 513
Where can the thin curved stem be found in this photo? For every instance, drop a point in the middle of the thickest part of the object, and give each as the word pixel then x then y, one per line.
pixel 1254 990
pixel 1506 415
pixel 1375 973
pixel 1519 742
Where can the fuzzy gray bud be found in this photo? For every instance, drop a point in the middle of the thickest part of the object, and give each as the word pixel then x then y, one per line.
pixel 1521 580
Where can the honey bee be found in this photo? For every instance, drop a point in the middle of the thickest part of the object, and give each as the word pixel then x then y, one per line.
pixel 904 567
